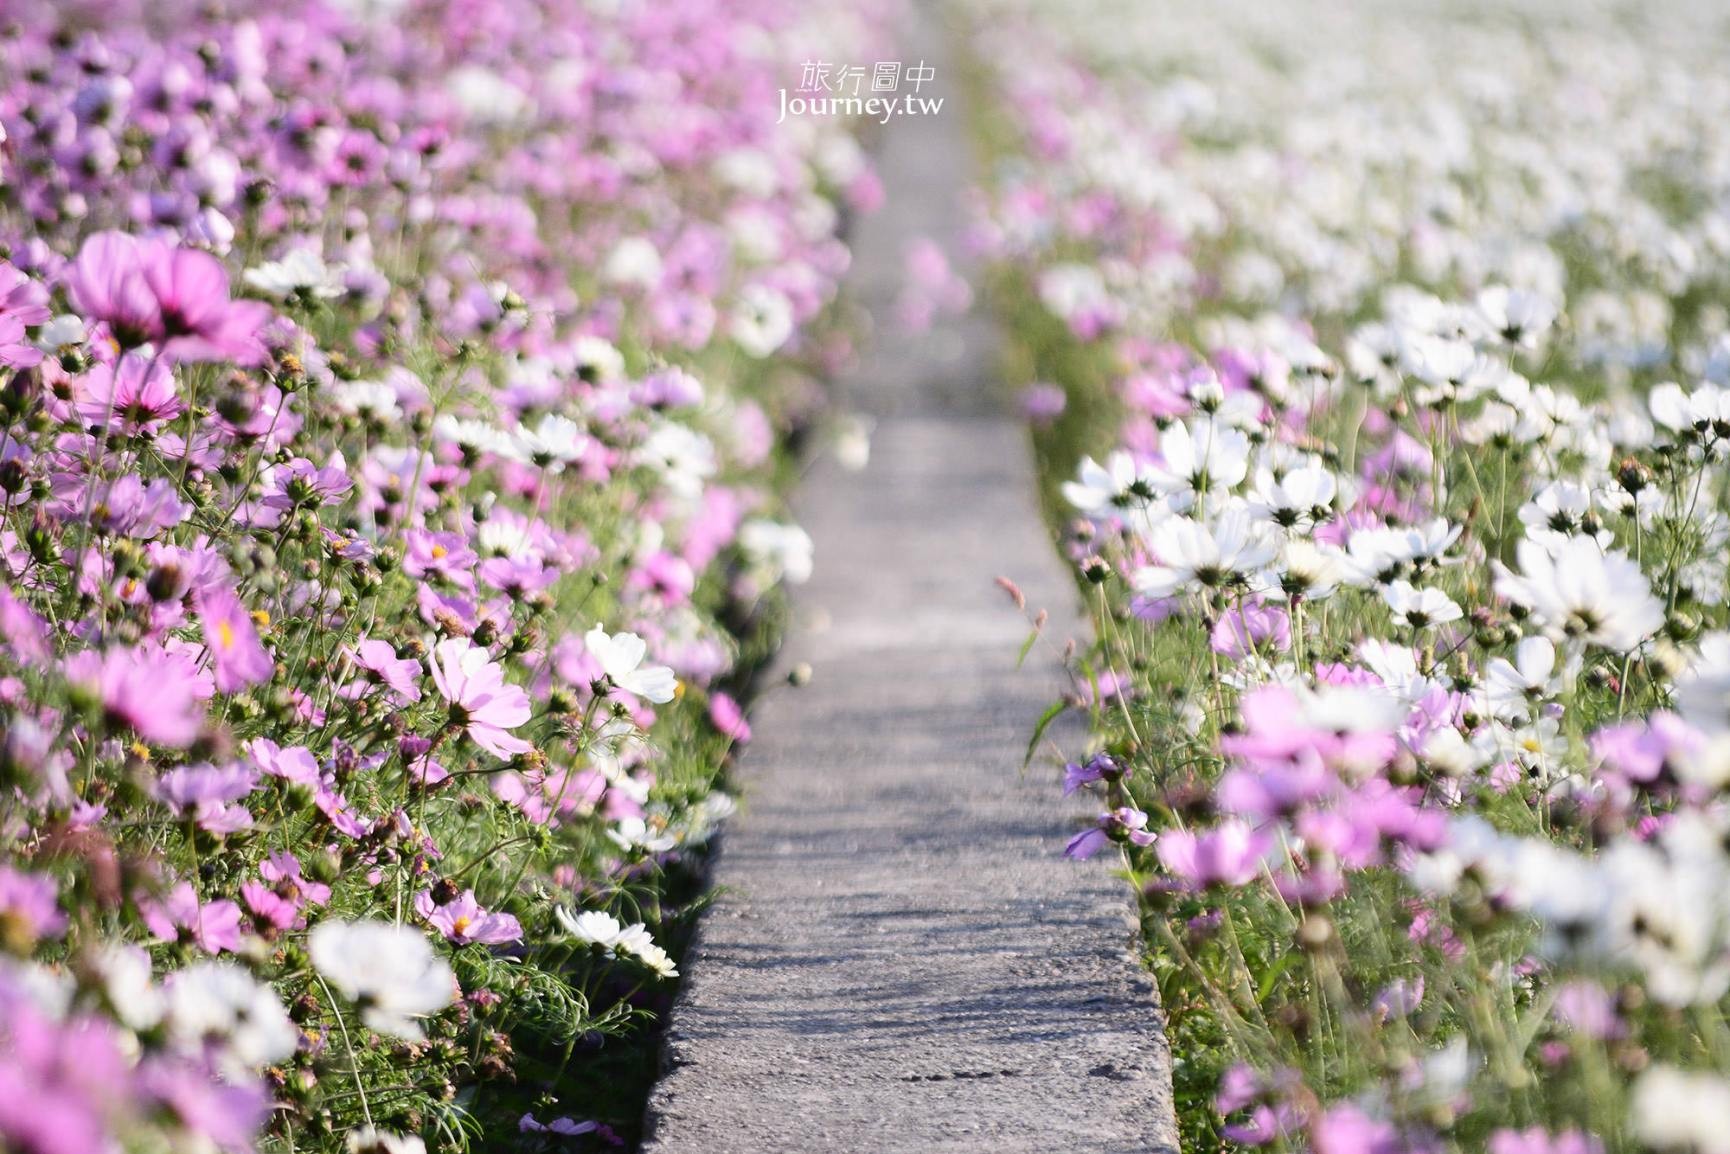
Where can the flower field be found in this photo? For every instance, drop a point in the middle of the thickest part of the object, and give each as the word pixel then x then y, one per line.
pixel 1378 359
pixel 394 410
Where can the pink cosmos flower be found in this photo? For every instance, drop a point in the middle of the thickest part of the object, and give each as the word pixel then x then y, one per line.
pixel 1240 632
pixel 62 1079
pixel 481 700
pixel 207 792
pixel 1345 1129
pixel 727 717
pixel 1042 404
pixel 180 918
pixel 145 690
pixel 294 764
pixel 30 903
pixel 148 291
pixel 239 658
pixel 379 662
pixel 464 921
pixel 445 555
pixel 282 870
pixel 270 910
pixel 300 483
pixel 1536 1140
pixel 134 394
pixel 22 306
pixel 23 628
pixel 1231 854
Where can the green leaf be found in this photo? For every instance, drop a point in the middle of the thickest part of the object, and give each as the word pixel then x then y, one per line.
pixel 1045 720
pixel 1026 648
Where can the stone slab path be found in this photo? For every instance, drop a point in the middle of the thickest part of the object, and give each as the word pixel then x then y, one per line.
pixel 901 958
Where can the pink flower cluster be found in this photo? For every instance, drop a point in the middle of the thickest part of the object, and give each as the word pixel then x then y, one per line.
pixel 356 359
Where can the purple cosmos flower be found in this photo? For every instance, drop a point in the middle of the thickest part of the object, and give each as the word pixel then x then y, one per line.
pixel 294 764
pixel 1537 1140
pixel 29 907
pixel 132 395
pixel 1240 632
pixel 445 555
pixel 22 307
pixel 379 662
pixel 129 506
pixel 147 291
pixel 145 690
pixel 1099 767
pixel 1345 1129
pixel 1124 824
pixel 179 917
pixel 565 1127
pixel 300 483
pixel 481 700
pixel 1230 854
pixel 1042 404
pixel 270 910
pixel 207 791
pixel 238 657
pixel 462 920
pixel 62 1080
pixel 282 870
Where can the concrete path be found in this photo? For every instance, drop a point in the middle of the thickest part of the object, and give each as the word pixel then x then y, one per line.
pixel 901 959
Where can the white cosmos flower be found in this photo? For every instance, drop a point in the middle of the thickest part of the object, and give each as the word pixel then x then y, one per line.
pixel 1305 570
pixel 1419 608
pixel 592 927
pixel 1380 552
pixel 1516 316
pixel 1207 554
pixel 1689 1110
pixel 603 930
pixel 636 942
pixel 220 1002
pixel 481 436
pixel 784 551
pixel 1703 693
pixel 370 397
pixel 633 833
pixel 621 657
pixel 762 320
pixel 300 273
pixel 1303 495
pixel 1099 490
pixel 1580 591
pixel 125 975
pixel 1511 688
pixel 554 442
pixel 1679 411
pixel 1200 458
pixel 1559 510
pixel 597 359
pixel 634 261
pixel 65 331
pixel 683 457
pixel 371 1140
pixel 487 97
pixel 389 971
